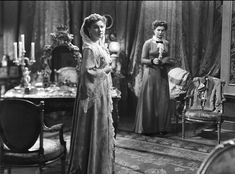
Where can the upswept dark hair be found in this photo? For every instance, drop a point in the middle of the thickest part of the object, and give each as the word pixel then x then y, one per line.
pixel 93 18
pixel 157 23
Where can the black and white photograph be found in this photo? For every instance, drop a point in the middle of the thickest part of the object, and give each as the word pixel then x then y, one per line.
pixel 117 87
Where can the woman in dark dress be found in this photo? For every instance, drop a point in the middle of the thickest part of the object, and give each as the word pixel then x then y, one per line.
pixel 153 103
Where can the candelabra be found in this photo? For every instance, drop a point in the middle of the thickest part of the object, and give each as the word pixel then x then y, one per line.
pixel 24 63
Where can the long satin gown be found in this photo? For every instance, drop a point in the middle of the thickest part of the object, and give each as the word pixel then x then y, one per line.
pixel 152 115
pixel 92 140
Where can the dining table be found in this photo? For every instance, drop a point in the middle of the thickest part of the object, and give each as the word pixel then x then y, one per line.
pixel 58 98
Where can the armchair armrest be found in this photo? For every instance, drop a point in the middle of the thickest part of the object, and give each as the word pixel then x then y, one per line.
pixel 56 128
pixel 187 99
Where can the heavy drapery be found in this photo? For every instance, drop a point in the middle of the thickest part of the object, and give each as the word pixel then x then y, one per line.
pixel 194 31
pixel 35 19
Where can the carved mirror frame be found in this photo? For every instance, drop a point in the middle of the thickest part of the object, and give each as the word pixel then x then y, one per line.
pixel 109 22
pixel 59 38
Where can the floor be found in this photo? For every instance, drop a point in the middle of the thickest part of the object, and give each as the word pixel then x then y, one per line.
pixel 193 132
pixel 196 133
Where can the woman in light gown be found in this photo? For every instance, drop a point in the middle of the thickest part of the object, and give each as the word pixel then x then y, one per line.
pixel 153 103
pixel 92 139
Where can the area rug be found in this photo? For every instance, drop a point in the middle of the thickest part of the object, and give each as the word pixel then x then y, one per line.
pixel 138 154
pixel 157 155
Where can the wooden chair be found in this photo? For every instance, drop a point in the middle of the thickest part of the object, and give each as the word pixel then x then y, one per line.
pixel 204 103
pixel 221 160
pixel 22 140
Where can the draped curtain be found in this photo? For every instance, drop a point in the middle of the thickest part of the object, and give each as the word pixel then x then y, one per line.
pixel 194 32
pixel 150 11
pixel 48 16
pixel 1 28
pixel 35 19
pixel 201 37
pixel 125 17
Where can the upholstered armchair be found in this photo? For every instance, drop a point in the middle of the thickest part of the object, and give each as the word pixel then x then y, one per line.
pixel 22 140
pixel 204 103
pixel 221 160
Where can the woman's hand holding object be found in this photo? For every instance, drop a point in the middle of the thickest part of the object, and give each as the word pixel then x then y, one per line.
pixel 156 61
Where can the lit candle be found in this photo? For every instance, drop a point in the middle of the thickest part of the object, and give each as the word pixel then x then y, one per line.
pixel 32 50
pixel 23 42
pixel 15 50
pixel 20 50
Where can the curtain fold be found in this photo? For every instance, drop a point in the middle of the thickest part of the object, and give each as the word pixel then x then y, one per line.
pixel 125 19
pixel 10 25
pixel 194 32
pixel 1 27
pixel 48 16
pixel 201 37
pixel 194 28
pixel 35 19
pixel 150 11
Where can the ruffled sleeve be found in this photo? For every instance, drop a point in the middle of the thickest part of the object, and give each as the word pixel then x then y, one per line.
pixel 93 64
pixel 92 76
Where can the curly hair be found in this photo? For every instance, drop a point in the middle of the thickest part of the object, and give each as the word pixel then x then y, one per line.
pixel 91 19
pixel 157 23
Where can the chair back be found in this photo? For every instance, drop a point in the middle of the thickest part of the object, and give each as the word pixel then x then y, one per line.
pixel 221 160
pixel 205 93
pixel 20 123
pixel 179 79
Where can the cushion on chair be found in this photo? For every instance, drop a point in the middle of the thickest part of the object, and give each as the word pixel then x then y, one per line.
pixel 202 115
pixel 52 150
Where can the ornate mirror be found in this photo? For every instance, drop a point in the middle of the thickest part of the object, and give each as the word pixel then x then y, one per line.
pixel 109 23
pixel 61 53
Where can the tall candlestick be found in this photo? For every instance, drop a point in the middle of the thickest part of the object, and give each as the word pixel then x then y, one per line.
pixel 20 50
pixel 32 50
pixel 23 42
pixel 15 50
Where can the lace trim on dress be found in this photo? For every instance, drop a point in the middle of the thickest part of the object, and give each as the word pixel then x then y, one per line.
pixel 99 50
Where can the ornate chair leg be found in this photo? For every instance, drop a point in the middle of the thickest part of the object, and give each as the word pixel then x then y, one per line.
pixel 183 127
pixel 218 131
pixel 40 169
pixel 63 160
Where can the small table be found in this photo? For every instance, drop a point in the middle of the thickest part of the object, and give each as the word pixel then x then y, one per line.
pixel 55 98
pixel 59 98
